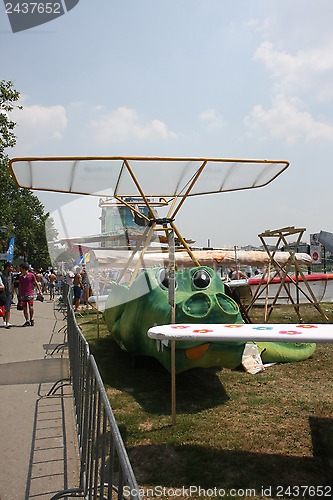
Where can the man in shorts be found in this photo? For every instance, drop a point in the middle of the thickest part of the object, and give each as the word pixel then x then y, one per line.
pixel 77 287
pixel 52 283
pixel 27 282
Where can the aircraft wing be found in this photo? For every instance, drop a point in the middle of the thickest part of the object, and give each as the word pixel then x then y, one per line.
pixel 226 258
pixel 122 176
pixel 244 332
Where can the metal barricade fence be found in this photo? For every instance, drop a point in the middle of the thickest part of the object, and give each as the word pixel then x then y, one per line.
pixel 105 469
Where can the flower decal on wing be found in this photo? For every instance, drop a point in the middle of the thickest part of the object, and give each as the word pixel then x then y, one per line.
pixel 262 328
pixel 203 330
pixel 290 332
pixel 306 326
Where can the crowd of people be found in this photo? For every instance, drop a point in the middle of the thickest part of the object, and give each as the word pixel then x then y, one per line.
pixel 77 278
pixel 21 285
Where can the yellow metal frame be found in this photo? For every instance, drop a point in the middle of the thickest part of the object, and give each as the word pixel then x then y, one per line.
pixel 282 271
pixel 168 226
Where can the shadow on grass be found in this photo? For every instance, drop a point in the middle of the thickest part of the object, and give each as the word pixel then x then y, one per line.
pixel 227 469
pixel 322 440
pixel 150 384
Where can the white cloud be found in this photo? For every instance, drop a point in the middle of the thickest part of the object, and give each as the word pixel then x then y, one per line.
pixel 38 124
pixel 212 118
pixel 285 120
pixel 124 123
pixel 306 69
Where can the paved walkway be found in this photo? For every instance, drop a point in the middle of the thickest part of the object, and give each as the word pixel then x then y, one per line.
pixel 39 455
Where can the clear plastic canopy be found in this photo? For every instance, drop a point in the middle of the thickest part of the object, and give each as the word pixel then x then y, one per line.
pixel 143 176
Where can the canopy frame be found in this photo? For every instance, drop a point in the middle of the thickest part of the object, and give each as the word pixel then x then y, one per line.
pixel 28 172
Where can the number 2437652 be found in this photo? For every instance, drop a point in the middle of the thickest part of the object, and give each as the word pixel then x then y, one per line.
pixel 33 8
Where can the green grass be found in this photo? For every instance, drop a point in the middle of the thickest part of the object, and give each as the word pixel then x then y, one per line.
pixel 233 430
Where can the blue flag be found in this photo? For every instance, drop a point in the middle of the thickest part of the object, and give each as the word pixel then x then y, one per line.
pixel 10 251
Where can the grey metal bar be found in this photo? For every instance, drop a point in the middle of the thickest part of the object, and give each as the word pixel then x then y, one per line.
pixel 105 468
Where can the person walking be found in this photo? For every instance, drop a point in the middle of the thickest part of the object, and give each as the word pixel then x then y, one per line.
pixel 52 283
pixel 16 273
pixel 8 281
pixel 77 287
pixel 40 279
pixel 86 286
pixel 59 281
pixel 3 300
pixel 27 282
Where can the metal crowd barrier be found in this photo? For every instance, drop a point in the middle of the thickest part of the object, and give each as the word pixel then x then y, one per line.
pixel 105 469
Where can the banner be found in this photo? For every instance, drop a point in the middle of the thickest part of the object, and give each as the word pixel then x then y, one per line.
pixel 10 251
pixel 315 248
pixel 315 252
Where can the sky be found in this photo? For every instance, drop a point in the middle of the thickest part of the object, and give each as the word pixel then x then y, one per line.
pixel 206 78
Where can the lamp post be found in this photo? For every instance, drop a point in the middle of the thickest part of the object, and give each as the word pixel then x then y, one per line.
pixel 25 253
pixel 3 230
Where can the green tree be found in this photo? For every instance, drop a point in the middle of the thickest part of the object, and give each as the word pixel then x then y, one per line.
pixel 8 97
pixel 21 213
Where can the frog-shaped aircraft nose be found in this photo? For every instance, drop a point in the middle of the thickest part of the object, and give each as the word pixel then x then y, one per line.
pixel 201 306
pixel 198 305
